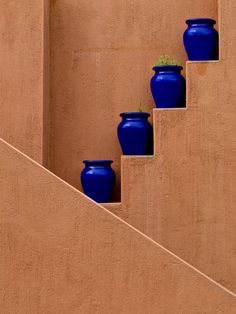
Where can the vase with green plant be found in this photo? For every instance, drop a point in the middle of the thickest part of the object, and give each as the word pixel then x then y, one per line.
pixel 135 133
pixel 168 86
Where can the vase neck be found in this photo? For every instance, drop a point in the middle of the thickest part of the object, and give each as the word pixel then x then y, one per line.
pixel 168 68
pixel 200 21
pixel 134 115
pixel 97 163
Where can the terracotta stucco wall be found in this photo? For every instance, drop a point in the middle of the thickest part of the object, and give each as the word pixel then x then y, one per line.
pixel 185 197
pixel 23 96
pixel 102 54
pixel 62 253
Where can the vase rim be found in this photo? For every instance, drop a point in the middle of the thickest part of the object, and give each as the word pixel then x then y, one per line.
pixel 98 161
pixel 167 67
pixel 201 20
pixel 135 114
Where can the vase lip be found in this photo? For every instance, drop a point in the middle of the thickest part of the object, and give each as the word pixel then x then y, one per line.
pixel 201 20
pixel 168 67
pixel 97 161
pixel 135 114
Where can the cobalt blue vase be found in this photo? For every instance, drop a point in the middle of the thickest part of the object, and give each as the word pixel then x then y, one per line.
pixel 135 133
pixel 168 86
pixel 201 40
pixel 98 180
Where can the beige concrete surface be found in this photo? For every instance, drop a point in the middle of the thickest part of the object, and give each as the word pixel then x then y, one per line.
pixel 102 53
pixel 22 57
pixel 63 253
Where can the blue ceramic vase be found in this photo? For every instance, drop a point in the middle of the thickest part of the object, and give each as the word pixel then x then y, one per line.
pixel 201 40
pixel 135 133
pixel 168 86
pixel 98 180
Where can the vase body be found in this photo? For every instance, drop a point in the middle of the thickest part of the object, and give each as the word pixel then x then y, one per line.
pixel 201 40
pixel 98 180
pixel 135 133
pixel 168 86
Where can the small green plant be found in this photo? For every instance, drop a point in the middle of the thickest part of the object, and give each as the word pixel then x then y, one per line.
pixel 167 60
pixel 141 106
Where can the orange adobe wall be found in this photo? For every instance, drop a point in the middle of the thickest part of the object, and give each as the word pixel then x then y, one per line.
pixel 24 76
pixel 102 53
pixel 60 251
pixel 185 196
pixel 63 253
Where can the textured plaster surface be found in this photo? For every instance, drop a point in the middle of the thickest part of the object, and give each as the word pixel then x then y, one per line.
pixel 185 197
pixel 227 11
pixel 102 53
pixel 22 97
pixel 63 253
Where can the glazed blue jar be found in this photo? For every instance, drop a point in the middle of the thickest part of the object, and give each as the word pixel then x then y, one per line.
pixel 201 40
pixel 168 86
pixel 135 133
pixel 98 180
